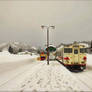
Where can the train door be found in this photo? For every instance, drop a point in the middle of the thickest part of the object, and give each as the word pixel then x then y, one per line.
pixel 76 55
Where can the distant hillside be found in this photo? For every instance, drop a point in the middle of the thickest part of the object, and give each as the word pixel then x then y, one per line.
pixel 16 47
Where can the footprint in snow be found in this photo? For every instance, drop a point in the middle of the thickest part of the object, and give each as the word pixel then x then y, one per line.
pixel 23 85
pixel 28 81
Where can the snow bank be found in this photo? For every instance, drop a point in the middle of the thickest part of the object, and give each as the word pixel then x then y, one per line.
pixel 11 66
pixel 6 57
pixel 54 77
pixel 89 62
pixel 20 74
pixel 86 76
pixel 89 59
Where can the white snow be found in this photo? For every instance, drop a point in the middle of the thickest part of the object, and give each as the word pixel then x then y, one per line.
pixel 86 45
pixel 24 73
pixel 54 77
pixel 12 65
pixel 86 76
pixel 5 56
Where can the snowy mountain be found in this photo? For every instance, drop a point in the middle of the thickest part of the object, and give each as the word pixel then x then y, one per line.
pixel 16 47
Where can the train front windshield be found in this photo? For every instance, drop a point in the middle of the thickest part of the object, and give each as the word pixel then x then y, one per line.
pixel 83 50
pixel 67 50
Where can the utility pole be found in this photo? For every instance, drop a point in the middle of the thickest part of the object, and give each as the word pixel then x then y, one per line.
pixel 47 27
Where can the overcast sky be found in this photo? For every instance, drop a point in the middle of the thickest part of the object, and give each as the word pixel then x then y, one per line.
pixel 21 20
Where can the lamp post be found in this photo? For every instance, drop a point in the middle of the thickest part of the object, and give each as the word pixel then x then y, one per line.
pixel 47 27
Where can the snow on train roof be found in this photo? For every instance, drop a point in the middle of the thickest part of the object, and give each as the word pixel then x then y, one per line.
pixel 86 45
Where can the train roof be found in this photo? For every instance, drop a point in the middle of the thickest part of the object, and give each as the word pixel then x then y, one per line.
pixel 75 45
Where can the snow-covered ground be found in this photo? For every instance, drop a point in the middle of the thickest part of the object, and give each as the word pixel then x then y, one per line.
pixel 41 77
pixel 13 65
pixel 86 76
pixel 24 73
pixel 6 57
pixel 54 77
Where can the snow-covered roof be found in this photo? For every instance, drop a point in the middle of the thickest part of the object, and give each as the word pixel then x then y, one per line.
pixel 86 45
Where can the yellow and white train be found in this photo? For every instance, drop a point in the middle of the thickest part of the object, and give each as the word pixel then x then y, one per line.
pixel 72 56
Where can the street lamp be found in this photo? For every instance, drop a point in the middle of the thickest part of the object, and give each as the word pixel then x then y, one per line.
pixel 47 27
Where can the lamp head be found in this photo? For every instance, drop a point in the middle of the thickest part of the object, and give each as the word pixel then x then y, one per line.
pixel 53 27
pixel 42 26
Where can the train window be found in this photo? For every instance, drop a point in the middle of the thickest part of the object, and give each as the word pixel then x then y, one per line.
pixel 67 50
pixel 82 50
pixel 75 51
